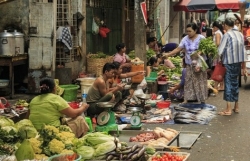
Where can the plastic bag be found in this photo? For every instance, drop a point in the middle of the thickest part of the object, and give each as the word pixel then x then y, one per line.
pixel 95 27
pixel 202 63
pixel 219 72
pixel 143 84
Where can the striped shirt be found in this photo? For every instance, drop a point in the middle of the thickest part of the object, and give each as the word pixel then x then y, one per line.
pixel 232 47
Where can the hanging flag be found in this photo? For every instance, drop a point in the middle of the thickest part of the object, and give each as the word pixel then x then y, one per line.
pixel 144 11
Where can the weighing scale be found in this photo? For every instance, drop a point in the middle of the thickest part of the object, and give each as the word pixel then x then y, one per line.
pixel 135 119
pixel 106 120
pixel 143 98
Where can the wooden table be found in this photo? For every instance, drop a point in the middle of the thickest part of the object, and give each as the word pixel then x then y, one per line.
pixel 11 62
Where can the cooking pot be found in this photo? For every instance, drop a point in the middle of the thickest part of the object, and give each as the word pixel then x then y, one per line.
pixel 7 43
pixel 19 41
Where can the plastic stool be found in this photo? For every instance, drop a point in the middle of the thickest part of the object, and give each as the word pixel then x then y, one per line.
pixel 89 122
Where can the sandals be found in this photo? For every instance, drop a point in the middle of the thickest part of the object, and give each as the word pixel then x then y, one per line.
pixel 224 113
pixel 236 110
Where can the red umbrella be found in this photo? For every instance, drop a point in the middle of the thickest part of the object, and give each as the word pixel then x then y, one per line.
pixel 205 5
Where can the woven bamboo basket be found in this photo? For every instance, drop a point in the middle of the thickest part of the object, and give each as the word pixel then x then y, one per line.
pixel 95 65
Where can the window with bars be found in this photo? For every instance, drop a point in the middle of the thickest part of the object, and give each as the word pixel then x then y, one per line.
pixel 43 1
pixel 103 3
pixel 66 17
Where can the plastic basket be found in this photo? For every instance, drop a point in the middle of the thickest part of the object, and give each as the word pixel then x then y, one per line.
pixel 153 74
pixel 70 92
pixel 150 79
pixel 172 153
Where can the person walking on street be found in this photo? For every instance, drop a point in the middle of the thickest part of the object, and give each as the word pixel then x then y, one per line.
pixel 233 54
pixel 195 87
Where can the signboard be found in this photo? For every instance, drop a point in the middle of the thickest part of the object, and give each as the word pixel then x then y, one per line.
pixel 144 11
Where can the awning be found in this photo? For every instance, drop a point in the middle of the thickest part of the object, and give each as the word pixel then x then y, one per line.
pixel 182 6
pixel 206 5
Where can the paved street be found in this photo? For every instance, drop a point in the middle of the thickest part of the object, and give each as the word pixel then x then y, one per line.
pixel 224 139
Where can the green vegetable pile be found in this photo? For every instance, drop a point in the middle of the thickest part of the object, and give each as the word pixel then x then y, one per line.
pixel 131 54
pixel 11 134
pixel 208 47
pixel 150 53
pixel 98 54
pixel 173 73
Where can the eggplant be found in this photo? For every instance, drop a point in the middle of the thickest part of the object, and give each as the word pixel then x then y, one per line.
pixel 130 155
pixel 134 156
pixel 141 152
pixel 134 147
pixel 110 157
pixel 126 151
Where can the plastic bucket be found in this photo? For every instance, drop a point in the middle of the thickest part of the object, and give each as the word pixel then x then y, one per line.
pixel 70 92
pixel 86 83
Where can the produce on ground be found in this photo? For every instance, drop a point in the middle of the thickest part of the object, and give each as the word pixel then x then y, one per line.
pixel 21 103
pixel 150 53
pixel 98 54
pixel 173 73
pixel 168 157
pixel 157 138
pixel 131 54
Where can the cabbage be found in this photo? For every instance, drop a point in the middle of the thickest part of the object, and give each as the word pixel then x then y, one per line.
pixel 86 152
pixel 96 138
pixel 104 148
pixel 27 132
pixel 24 122
pixel 10 129
pixel 9 134
pixel 4 121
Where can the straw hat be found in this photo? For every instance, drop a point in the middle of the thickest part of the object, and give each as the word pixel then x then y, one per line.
pixel 59 90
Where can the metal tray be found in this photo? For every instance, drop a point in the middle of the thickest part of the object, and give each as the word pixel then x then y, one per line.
pixel 125 135
pixel 186 139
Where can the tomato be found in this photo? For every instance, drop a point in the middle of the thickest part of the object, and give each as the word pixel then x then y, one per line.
pixel 168 157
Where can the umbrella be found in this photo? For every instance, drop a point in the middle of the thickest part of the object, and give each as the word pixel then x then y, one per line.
pixel 205 5
pixel 182 6
pixel 231 16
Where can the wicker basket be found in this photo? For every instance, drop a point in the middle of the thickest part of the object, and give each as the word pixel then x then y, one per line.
pixel 95 65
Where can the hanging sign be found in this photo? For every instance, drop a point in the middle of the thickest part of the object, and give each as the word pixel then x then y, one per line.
pixel 144 11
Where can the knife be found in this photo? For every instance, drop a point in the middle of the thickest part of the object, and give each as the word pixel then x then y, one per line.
pixel 14 112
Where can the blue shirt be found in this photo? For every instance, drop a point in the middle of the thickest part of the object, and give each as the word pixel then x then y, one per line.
pixel 231 48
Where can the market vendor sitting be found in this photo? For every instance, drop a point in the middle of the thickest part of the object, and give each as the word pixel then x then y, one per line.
pixel 48 109
pixel 98 92
pixel 118 75
pixel 152 66
pixel 177 92
pixel 122 57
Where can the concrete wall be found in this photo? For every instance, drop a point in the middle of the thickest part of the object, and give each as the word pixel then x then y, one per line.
pixel 164 13
pixel 175 26
pixel 15 15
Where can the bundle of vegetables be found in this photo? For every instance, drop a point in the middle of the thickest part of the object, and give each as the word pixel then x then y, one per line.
pixel 131 54
pixel 172 73
pixel 98 54
pixel 150 53
pixel 208 47
pixel 22 103
pixel 177 61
